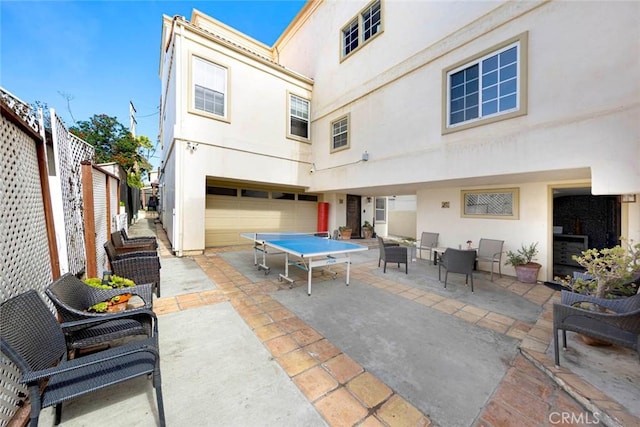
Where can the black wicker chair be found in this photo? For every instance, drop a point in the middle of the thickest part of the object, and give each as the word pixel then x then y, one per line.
pixel 32 338
pixel 72 297
pixel 142 239
pixel 460 261
pixel 612 320
pixel 123 246
pixel 393 252
pixel 141 267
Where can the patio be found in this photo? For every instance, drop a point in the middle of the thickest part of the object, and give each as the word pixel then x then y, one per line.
pixel 240 348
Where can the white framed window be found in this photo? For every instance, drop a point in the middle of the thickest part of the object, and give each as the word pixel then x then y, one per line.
pixel 209 82
pixel 381 209
pixel 298 117
pixel 489 86
pixel 340 134
pixel 362 28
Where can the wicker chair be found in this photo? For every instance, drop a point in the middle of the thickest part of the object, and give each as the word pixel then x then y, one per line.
pixel 490 250
pixel 457 261
pixel 142 239
pixel 393 252
pixel 618 323
pixel 123 246
pixel 141 267
pixel 428 241
pixel 32 338
pixel 72 297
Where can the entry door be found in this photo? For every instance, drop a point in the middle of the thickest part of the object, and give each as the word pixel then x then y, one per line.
pixel 354 210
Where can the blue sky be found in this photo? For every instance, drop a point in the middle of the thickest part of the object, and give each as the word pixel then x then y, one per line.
pixel 103 54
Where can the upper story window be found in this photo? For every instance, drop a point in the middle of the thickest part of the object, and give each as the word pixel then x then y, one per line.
pixel 490 86
pixel 209 87
pixel 298 117
pixel 340 134
pixel 362 28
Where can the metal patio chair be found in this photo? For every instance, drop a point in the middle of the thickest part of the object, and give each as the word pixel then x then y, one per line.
pixel 32 338
pixel 428 241
pixel 490 250
pixel 72 297
pixel 141 267
pixel 457 261
pixel 612 320
pixel 393 252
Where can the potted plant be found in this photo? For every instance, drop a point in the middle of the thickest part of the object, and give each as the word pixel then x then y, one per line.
pixel 522 260
pixel 367 230
pixel 116 303
pixel 345 232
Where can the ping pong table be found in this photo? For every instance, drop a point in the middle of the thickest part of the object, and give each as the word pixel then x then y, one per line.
pixel 311 251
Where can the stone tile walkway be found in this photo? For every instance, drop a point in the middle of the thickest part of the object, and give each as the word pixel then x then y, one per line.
pixel 347 395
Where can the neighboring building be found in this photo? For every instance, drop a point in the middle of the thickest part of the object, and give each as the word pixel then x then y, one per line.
pixel 503 119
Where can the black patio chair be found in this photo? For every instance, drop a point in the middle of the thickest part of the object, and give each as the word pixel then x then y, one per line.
pixel 124 246
pixel 616 321
pixel 393 252
pixel 32 338
pixel 141 267
pixel 460 261
pixel 72 297
pixel 141 239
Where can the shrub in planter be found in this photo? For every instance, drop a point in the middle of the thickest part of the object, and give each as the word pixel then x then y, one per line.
pixel 522 260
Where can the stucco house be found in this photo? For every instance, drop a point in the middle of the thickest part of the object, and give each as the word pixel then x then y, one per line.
pixel 503 119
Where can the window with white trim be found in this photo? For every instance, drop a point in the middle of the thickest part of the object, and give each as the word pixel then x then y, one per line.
pixel 340 134
pixel 209 87
pixel 362 28
pixel 298 117
pixel 381 209
pixel 485 87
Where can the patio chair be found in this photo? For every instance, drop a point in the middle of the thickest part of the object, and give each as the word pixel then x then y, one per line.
pixel 32 338
pixel 490 250
pixel 612 320
pixel 393 252
pixel 142 239
pixel 72 297
pixel 428 241
pixel 141 267
pixel 460 261
pixel 122 246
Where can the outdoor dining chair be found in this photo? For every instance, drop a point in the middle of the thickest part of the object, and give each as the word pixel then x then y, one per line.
pixel 394 253
pixel 72 297
pixel 124 246
pixel 141 240
pixel 428 241
pixel 457 261
pixel 490 250
pixel 141 267
pixel 32 338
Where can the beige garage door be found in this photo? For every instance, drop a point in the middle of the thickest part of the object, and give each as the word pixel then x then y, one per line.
pixel 232 211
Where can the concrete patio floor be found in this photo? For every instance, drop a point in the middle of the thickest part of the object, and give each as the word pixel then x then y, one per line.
pixel 241 348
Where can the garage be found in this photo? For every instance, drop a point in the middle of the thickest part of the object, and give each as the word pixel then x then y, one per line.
pixel 232 209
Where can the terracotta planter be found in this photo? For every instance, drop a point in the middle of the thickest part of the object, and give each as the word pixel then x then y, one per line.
pixel 528 273
pixel 595 342
pixel 367 232
pixel 345 234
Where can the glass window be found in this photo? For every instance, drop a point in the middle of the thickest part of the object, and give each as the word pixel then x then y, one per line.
pixel 299 116
pixel 381 209
pixel 209 87
pixel 308 197
pixel 222 191
pixel 340 134
pixel 487 86
pixel 362 28
pixel 259 194
pixel 350 38
pixel 283 196
pixel 371 21
pixel 501 203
